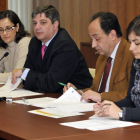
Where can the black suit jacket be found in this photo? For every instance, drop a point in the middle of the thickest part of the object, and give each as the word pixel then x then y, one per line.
pixel 130 111
pixel 62 62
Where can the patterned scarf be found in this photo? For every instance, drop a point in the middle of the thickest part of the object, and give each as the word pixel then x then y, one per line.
pixel 135 91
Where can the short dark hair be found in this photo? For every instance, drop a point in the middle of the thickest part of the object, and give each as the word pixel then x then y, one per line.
pixel 134 25
pixel 108 22
pixel 12 16
pixel 50 12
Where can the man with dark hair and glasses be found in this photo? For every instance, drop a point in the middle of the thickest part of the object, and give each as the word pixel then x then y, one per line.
pixel 114 63
pixel 53 56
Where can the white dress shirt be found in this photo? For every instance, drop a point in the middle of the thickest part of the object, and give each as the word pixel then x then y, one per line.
pixel 113 55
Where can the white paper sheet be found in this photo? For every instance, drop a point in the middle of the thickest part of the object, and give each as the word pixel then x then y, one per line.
pixel 18 93
pixel 70 95
pixel 99 123
pixel 68 98
pixel 76 107
pixel 54 113
pixel 8 86
pixel 35 100
pixel 68 104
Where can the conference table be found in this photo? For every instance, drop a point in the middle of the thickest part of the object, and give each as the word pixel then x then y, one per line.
pixel 17 124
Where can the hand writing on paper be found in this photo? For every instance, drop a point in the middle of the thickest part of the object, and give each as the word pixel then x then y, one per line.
pixel 71 85
pixel 110 109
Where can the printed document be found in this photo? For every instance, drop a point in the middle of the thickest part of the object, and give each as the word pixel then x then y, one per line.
pixel 68 104
pixel 35 101
pixel 96 123
pixel 8 86
pixel 54 113
pixel 69 97
pixel 18 93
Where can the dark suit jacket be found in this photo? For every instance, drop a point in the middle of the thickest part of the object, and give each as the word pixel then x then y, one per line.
pixel 120 73
pixel 62 62
pixel 130 111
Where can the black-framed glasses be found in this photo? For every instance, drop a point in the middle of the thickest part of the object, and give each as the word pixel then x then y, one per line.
pixel 8 29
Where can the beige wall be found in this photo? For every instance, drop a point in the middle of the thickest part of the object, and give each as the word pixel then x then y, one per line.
pixel 76 14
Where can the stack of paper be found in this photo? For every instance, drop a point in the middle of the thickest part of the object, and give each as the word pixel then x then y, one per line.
pixel 68 104
pixel 54 113
pixel 9 90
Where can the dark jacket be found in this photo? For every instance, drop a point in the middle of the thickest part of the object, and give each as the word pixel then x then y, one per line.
pixel 62 62
pixel 130 111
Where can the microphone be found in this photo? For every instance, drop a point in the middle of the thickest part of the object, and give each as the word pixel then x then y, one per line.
pixel 5 55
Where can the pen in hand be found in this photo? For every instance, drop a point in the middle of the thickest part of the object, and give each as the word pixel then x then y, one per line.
pixel 106 104
pixel 99 104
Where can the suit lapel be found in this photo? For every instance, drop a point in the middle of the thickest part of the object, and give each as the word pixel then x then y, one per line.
pixel 117 62
pixel 38 53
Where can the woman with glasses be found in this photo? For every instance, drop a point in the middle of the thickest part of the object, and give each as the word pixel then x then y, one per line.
pixel 127 109
pixel 14 40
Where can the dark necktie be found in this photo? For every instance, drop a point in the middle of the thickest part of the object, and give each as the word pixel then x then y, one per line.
pixel 105 76
pixel 43 50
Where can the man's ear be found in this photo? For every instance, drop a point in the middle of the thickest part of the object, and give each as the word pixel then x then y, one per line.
pixel 56 24
pixel 113 34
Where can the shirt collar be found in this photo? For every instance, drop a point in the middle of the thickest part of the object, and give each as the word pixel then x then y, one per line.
pixel 48 42
pixel 113 54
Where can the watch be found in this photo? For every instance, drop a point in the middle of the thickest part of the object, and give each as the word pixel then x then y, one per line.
pixel 120 113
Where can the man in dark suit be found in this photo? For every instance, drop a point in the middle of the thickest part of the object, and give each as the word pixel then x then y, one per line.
pixel 106 35
pixel 53 56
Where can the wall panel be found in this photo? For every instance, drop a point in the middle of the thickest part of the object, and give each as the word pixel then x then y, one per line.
pixel 75 15
pixel 3 5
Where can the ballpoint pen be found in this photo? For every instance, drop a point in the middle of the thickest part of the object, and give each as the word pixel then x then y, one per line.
pixel 25 100
pixel 104 104
pixel 62 84
pixel 66 85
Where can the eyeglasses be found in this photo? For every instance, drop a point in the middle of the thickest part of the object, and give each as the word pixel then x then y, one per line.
pixel 8 29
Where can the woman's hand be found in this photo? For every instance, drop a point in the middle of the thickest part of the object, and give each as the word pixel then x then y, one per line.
pixel 110 109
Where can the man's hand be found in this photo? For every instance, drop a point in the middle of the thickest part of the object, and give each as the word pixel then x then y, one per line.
pixel 16 74
pixel 91 95
pixel 70 85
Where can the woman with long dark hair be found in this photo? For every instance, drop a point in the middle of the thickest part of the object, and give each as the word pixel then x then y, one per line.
pixel 14 40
